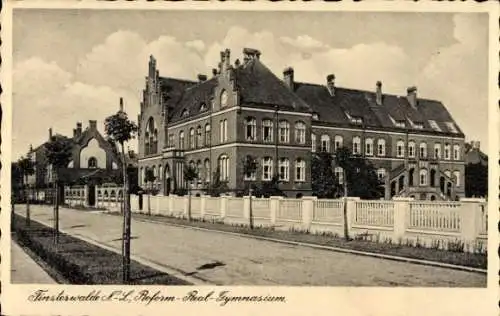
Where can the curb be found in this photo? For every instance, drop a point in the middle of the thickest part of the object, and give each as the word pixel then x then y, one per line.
pixel 328 248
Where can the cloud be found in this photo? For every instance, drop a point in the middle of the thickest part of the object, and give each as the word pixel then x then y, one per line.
pixel 197 45
pixel 303 42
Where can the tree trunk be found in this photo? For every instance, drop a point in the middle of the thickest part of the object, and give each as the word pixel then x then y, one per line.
pixel 250 205
pixel 149 198
pixel 346 224
pixel 28 215
pixel 126 221
pixel 56 213
pixel 189 201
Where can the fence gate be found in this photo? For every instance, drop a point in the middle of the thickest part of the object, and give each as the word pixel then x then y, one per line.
pixel 91 195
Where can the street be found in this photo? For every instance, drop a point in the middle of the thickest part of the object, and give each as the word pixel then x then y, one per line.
pixel 231 260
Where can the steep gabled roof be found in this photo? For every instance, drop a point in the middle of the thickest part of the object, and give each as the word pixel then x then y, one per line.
pixel 192 98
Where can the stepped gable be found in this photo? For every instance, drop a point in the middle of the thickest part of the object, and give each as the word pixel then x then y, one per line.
pixel 174 89
pixel 258 85
pixel 192 99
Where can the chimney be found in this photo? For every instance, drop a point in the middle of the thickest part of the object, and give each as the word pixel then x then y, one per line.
pixel 121 104
pixel 237 63
pixel 74 132
pixel 476 145
pixel 288 77
pixel 50 133
pixel 78 129
pixel 93 124
pixel 214 72
pixel 412 96
pixel 202 78
pixel 379 93
pixel 250 54
pixel 330 84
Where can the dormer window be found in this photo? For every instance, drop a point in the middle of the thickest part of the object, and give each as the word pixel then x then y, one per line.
pixel 354 119
pixel 398 123
pixel 315 116
pixel 434 125
pixel 185 113
pixel 203 107
pixel 417 125
pixel 451 127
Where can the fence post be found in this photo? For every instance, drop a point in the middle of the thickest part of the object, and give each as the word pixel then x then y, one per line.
pixel 469 213
pixel 351 213
pixel 246 209
pixel 274 205
pixel 85 195
pixel 223 206
pixel 170 203
pixel 401 216
pixel 186 204
pixel 203 200
pixel 308 204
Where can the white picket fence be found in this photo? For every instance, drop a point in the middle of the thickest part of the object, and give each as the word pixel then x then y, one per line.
pixel 400 221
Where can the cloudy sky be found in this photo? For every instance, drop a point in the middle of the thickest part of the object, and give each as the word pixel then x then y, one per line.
pixel 73 65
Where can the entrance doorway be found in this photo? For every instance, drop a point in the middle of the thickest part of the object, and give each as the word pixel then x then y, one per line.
pixel 91 195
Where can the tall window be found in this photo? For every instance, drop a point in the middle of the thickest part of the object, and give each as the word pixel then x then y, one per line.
pixel 456 152
pixel 267 131
pixel 92 163
pixel 381 174
pixel 339 142
pixel 381 147
pixel 423 150
pixel 171 140
pixel 437 151
pixel 300 132
pixel 369 147
pixel 199 136
pixel 181 140
pixel 447 151
pixel 400 149
pixel 313 143
pixel 224 167
pixel 423 177
pixel 207 171
pixel 339 174
pixel 251 175
pixel 300 170
pixel 191 138
pixel 223 99
pixel 411 149
pixel 284 167
pixel 267 168
pixel 325 143
pixel 223 131
pixel 456 176
pixel 448 173
pixel 356 145
pixel 207 135
pixel 250 128
pixel 284 132
pixel 160 172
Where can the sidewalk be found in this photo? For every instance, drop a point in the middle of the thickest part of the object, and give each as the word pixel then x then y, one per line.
pixel 24 270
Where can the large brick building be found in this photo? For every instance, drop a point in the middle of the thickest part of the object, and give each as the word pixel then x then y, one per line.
pixel 244 109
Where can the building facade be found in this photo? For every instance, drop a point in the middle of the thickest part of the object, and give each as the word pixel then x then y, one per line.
pixel 246 110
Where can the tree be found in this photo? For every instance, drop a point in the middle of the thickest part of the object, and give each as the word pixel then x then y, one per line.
pixel 360 179
pixel 324 184
pixel 59 152
pixel 249 169
pixel 270 188
pixel 476 180
pixel 16 181
pixel 149 178
pixel 190 174
pixel 25 165
pixel 120 130
pixel 217 186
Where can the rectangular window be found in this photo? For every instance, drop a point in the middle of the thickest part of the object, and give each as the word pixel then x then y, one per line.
pixel 267 131
pixel 171 140
pixel 368 148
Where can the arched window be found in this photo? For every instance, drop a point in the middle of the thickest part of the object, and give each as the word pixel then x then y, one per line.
pixel 284 167
pixel 433 177
pixel 207 170
pixel 155 174
pixel 369 147
pixel 456 177
pixel 325 143
pixel 267 130
pixel 92 162
pixel 224 167
pixel 267 168
pixel 423 177
pixel 300 170
pixel 223 98
pixel 447 151
pixel 400 149
pixel 151 137
pixel 199 167
pixel 181 140
pixel 381 147
pixel 448 173
pixel 313 142
pixel 141 175
pixel 456 152
pixel 339 142
pixel 423 150
pixel 300 132
pixel 381 174
pixel 223 131
pixel 356 145
pixel 199 136
pixel 160 172
pixel 339 175
pixel 207 135
pixel 437 151
pixel 250 129
pixel 411 149
pixel 191 138
pixel 284 131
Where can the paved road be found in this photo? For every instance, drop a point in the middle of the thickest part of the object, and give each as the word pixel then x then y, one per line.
pixel 247 261
pixel 25 270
